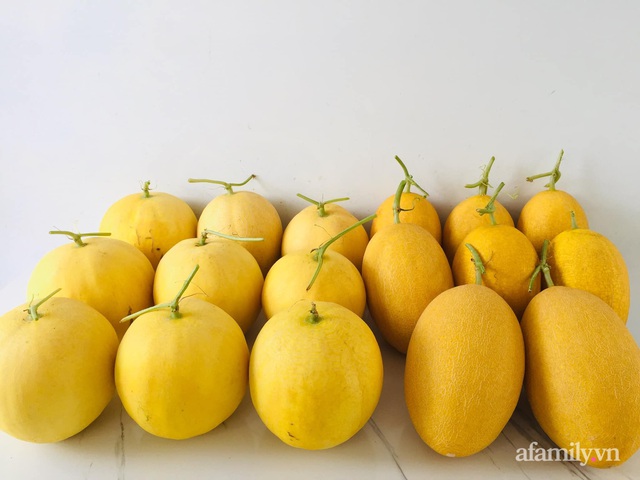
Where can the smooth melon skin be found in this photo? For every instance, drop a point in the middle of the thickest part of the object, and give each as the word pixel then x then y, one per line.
pixel 582 374
pixel 250 215
pixel 308 230
pixel 56 373
pixel 153 224
pixel 182 377
pixel 339 281
pixel 110 275
pixel 464 370
pixel 315 384
pixel 229 277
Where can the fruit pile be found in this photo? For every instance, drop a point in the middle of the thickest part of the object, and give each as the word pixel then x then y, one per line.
pixel 155 306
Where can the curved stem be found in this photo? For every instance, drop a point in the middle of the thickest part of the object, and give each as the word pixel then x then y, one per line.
pixel 554 174
pixel 483 183
pixel 396 201
pixel 574 223
pixel 480 270
pixel 227 185
pixel 145 189
pixel 77 237
pixel 546 269
pixel 491 208
pixel 320 205
pixel 233 237
pixel 319 252
pixel 543 267
pixel 409 179
pixel 173 305
pixel 33 309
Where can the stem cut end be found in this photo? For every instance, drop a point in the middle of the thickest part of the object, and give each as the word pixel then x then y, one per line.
pixel 145 189
pixel 313 317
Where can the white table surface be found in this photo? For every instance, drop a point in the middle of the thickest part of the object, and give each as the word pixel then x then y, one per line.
pixel 388 447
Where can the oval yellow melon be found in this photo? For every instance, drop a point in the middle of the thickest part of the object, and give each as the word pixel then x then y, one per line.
pixel 56 372
pixel 466 215
pixel 464 370
pixel 404 268
pixel 509 259
pixel 582 375
pixel 585 259
pixel 416 209
pixel 547 214
pixel 410 207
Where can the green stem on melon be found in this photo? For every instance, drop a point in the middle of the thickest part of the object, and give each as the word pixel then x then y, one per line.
pixel 574 223
pixel 554 174
pixel 202 241
pixel 483 183
pixel 314 316
pixel 319 252
pixel 206 232
pixel 320 205
pixel 477 261
pixel 543 267
pixel 145 189
pixel 227 185
pixel 77 237
pixel 409 181
pixel 491 208
pixel 396 201
pixel 174 304
pixel 33 308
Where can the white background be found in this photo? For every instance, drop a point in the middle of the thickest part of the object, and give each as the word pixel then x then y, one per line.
pixel 313 97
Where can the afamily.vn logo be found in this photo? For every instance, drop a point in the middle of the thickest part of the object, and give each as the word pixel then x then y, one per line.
pixel 575 453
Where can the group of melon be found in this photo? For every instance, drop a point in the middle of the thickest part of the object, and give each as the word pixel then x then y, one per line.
pixel 156 306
